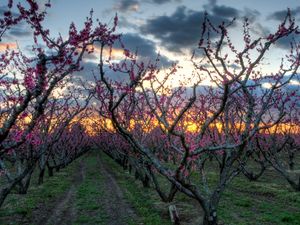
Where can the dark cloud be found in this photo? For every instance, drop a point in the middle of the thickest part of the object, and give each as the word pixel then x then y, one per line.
pixel 181 30
pixel 126 23
pixel 160 1
pixel 20 31
pixel 280 15
pixel 285 42
pixel 251 14
pixel 134 5
pixel 212 2
pixel 256 27
pixel 225 11
pixel 127 5
pixel 163 1
pixel 4 9
pixel 259 29
pixel 145 48
pixel 90 72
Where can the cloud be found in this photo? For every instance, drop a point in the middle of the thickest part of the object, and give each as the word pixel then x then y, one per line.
pixel 19 31
pixel 124 22
pixel 134 5
pixel 280 15
pixel 225 11
pixel 144 47
pixel 159 2
pixel 127 5
pixel 212 2
pixel 285 42
pixel 256 27
pixel 182 29
pixel 251 14
pixel 10 45
pixel 90 72
pixel 4 9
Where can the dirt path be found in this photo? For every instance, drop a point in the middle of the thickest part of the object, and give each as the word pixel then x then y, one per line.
pixel 115 205
pixel 63 212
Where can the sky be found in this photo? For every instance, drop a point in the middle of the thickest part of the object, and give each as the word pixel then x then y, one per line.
pixel 170 27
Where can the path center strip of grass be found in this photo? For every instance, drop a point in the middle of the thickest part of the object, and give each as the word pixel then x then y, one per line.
pixel 89 193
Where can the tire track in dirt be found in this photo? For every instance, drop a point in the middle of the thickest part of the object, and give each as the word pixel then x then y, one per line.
pixel 64 211
pixel 116 207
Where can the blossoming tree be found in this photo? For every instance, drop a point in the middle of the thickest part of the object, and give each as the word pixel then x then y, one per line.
pixel 226 117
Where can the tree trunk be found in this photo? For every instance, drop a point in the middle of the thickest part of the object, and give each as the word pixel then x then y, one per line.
pixel 130 168
pixel 294 185
pixel 146 181
pixel 252 176
pixel 136 175
pixel 210 206
pixel 291 160
pixel 125 163
pixel 41 176
pixel 21 189
pixel 50 171
pixel 174 215
pixel 24 183
pixel 210 217
pixel 3 194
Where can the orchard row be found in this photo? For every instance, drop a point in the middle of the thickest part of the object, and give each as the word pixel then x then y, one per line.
pixel 50 116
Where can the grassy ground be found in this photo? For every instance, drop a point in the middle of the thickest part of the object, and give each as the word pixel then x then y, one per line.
pixel 270 201
pixel 144 201
pixel 140 200
pixel 87 199
pixel 88 193
pixel 266 202
pixel 18 209
pixel 23 209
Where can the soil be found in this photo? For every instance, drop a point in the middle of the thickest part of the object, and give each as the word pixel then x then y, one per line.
pixel 62 210
pixel 114 203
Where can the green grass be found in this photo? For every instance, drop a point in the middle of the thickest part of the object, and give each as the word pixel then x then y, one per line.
pixel 143 200
pixel 269 201
pixel 263 202
pixel 18 208
pixel 89 209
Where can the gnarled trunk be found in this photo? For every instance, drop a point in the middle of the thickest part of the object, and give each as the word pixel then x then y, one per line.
pixel 210 217
pixel 50 170
pixel 146 181
pixel 3 193
pixel 41 176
